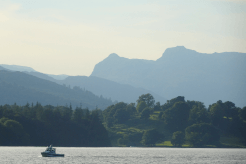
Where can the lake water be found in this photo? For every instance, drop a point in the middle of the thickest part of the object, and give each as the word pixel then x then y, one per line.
pixel 133 155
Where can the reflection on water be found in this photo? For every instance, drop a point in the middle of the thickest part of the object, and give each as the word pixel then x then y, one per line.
pixel 124 155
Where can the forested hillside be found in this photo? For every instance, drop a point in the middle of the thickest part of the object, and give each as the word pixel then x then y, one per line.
pixel 176 123
pixel 37 125
pixel 20 88
pixel 180 71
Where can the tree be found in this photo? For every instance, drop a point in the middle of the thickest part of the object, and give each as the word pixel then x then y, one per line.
pixel 176 117
pixel 17 129
pixel 77 115
pixel 171 102
pixel 217 113
pixel 151 137
pixel 202 134
pixel 121 115
pixel 148 99
pixel 157 106
pixel 242 113
pixel 229 109
pixel 141 105
pixel 198 114
pixel 131 108
pixel 178 138
pixel 146 113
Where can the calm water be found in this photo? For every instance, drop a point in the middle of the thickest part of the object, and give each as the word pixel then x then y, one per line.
pixel 32 155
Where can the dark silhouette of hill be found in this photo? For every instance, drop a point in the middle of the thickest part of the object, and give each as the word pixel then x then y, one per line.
pixel 20 88
pixel 182 72
pixel 99 86
pixel 31 71
pixel 41 76
pixel 109 89
pixel 2 68
pixel 17 68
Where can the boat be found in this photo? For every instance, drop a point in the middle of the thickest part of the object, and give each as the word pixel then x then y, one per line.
pixel 51 152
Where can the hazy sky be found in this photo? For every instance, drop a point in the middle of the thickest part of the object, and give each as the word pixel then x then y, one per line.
pixel 70 37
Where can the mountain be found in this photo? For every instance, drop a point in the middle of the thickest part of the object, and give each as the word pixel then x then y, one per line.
pixel 30 70
pixel 17 68
pixel 98 86
pixel 182 72
pixel 58 77
pixel 2 68
pixel 20 88
pixel 109 89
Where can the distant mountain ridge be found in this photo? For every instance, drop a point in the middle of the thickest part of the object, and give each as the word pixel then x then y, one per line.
pixel 17 67
pixel 99 86
pixel 22 88
pixel 109 89
pixel 182 72
pixel 30 70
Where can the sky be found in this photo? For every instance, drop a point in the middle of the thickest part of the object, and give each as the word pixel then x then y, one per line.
pixel 71 37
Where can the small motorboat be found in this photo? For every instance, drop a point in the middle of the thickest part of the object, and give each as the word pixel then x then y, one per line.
pixel 51 152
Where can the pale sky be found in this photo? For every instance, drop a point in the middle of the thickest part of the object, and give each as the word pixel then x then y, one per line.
pixel 70 37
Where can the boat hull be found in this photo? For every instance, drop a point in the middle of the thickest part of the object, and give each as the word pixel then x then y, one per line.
pixel 51 155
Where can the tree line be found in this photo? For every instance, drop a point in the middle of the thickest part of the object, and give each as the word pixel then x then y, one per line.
pixel 144 123
pixel 177 120
pixel 37 125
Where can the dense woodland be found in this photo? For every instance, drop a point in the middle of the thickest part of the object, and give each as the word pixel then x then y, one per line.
pixel 176 123
pixel 37 125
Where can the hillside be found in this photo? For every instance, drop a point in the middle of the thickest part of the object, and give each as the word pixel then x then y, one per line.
pixel 99 86
pixel 31 71
pixel 20 88
pixel 109 89
pixel 182 72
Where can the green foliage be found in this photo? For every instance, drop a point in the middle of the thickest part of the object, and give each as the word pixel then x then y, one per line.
pixel 146 113
pixel 242 113
pixel 151 137
pixel 176 117
pixel 78 115
pixel 60 126
pixel 202 134
pixel 148 99
pixel 141 105
pixel 198 114
pixel 118 113
pixel 121 115
pixel 180 115
pixel 157 106
pixel 216 113
pixel 14 126
pixel 178 138
pixel 171 102
pixel 131 108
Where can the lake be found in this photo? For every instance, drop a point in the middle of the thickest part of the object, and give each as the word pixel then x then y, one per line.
pixel 117 155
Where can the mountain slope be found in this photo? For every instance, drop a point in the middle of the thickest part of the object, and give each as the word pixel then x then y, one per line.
pixel 182 72
pixel 99 86
pixel 109 89
pixel 22 88
pixel 31 71
pixel 2 68
pixel 18 68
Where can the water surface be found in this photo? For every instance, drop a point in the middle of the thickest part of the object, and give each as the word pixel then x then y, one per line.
pixel 73 155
